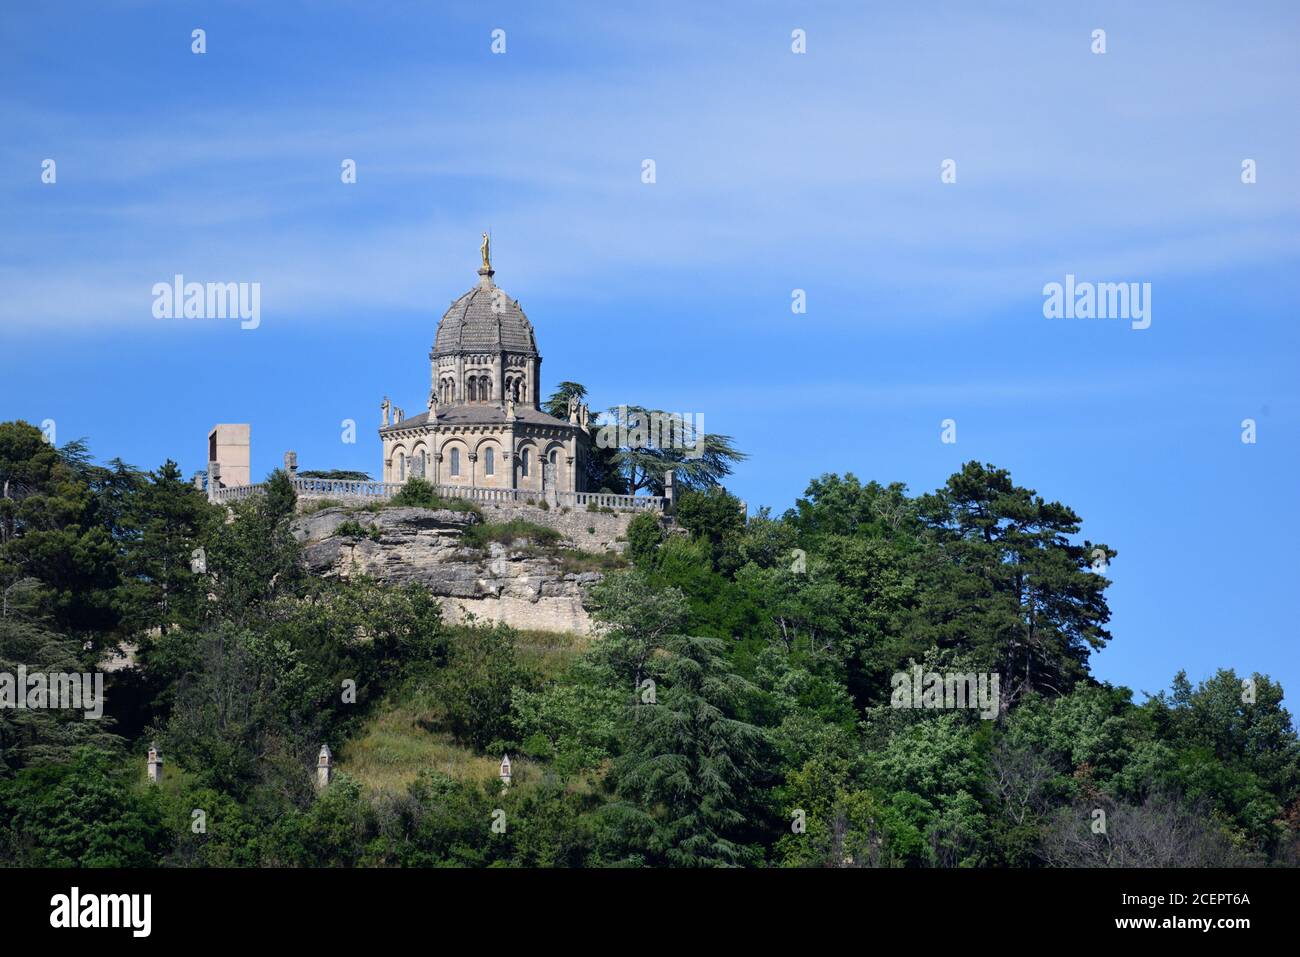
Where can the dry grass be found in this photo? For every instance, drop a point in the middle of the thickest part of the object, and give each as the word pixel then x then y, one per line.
pixel 549 652
pixel 397 744
pixel 402 738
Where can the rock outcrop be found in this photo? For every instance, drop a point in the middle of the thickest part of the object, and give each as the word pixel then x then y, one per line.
pixel 515 584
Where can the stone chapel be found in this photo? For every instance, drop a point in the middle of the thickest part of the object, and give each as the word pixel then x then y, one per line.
pixel 484 426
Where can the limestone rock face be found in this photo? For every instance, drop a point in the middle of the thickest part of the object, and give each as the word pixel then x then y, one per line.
pixel 502 583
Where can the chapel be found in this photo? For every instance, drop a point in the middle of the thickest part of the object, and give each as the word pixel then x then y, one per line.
pixel 484 426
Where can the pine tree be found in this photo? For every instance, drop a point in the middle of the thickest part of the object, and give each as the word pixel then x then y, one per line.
pixel 691 767
pixel 690 763
pixel 164 568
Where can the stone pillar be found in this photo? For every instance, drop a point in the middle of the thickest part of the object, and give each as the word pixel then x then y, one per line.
pixel 324 766
pixel 291 463
pixel 214 480
pixel 473 468
pixel 155 765
pixel 505 770
pixel 670 492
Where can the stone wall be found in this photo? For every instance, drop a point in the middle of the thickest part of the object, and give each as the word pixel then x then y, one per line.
pixel 504 583
pixel 586 530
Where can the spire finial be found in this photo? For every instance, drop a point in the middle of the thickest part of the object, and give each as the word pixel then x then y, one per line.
pixel 486 271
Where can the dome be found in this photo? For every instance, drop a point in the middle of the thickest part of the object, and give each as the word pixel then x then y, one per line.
pixel 472 326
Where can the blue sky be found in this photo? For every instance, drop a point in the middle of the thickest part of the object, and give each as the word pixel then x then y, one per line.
pixel 775 171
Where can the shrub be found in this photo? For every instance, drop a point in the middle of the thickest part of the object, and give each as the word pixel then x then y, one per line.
pixel 644 536
pixel 417 493
pixel 478 536
pixel 337 475
pixel 577 562
pixel 475 686
pixel 354 529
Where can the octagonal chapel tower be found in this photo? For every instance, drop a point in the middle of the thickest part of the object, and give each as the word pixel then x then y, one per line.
pixel 484 426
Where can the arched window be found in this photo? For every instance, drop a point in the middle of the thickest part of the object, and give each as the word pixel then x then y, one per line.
pixel 471 389
pixel 524 456
pixel 555 456
pixel 455 461
pixel 490 462
pixel 401 466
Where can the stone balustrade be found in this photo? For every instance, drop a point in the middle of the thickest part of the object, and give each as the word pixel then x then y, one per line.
pixel 346 490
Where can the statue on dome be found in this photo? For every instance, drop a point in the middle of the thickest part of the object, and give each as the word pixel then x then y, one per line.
pixel 486 250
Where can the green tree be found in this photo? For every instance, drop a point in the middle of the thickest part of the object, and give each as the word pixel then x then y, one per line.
pixel 1042 606
pixel 30 736
pixel 639 619
pixel 692 768
pixel 717 517
pixel 79 814
pixel 832 505
pixel 476 685
pixel 253 559
pixel 601 468
pixel 280 499
pixel 691 764
pixel 163 579
pixel 644 536
pixel 55 533
pixel 558 403
pixel 646 443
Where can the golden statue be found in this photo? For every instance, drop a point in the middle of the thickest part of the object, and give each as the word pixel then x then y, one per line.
pixel 486 250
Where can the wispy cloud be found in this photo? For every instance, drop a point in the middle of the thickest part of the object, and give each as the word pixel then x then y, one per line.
pixel 824 167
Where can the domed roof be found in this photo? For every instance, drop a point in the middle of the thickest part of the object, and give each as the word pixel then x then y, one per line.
pixel 471 324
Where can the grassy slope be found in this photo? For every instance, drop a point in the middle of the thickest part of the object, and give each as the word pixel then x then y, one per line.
pixel 400 739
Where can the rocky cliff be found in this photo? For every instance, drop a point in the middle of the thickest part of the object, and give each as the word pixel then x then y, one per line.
pixel 513 583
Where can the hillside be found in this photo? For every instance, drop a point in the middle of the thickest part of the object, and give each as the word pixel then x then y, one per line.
pixel 874 678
